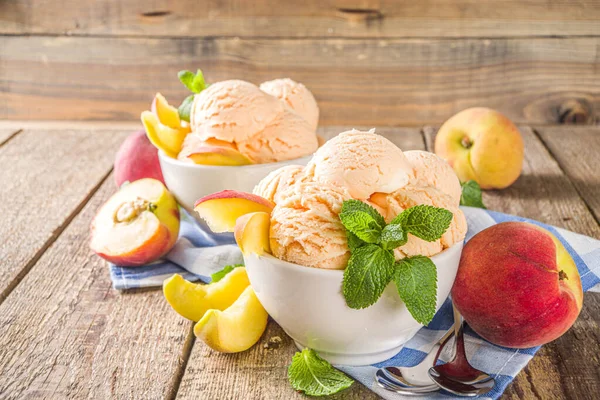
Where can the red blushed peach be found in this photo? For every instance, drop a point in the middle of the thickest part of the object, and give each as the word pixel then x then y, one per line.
pixel 221 210
pixel 137 158
pixel 517 286
pixel 137 225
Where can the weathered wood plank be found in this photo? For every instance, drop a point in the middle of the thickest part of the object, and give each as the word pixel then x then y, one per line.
pixel 578 153
pixel 65 333
pixel 396 82
pixel 566 368
pixel 261 372
pixel 46 175
pixel 312 18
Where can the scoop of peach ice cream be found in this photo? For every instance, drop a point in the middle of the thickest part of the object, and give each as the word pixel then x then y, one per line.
pixel 296 96
pixel 286 137
pixel 361 162
pixel 273 185
pixel 233 110
pixel 410 196
pixel 306 228
pixel 431 170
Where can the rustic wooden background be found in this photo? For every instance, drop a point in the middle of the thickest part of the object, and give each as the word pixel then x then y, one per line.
pixel 368 62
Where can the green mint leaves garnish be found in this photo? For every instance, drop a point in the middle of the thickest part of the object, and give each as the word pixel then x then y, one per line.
pixel 372 265
pixel 314 376
pixel 362 220
pixel 471 195
pixel 425 222
pixel 416 280
pixel 217 276
pixel 195 83
pixel 369 271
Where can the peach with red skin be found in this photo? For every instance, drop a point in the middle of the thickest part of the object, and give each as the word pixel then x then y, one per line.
pixel 137 158
pixel 517 286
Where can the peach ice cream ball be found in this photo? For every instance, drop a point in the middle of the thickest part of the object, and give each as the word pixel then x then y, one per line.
pixel 296 96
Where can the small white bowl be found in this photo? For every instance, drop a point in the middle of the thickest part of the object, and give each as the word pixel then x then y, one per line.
pixel 308 304
pixel 189 182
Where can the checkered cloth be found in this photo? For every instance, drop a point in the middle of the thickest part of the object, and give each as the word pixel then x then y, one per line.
pixel 198 254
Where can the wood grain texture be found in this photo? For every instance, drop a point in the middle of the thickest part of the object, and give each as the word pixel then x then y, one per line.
pixel 311 18
pixel 46 175
pixel 261 372
pixel 356 81
pixel 577 151
pixel 568 367
pixel 65 333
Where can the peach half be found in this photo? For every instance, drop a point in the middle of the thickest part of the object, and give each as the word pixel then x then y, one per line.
pixel 162 136
pixel 137 225
pixel 235 329
pixel 252 233
pixel 193 300
pixel 221 210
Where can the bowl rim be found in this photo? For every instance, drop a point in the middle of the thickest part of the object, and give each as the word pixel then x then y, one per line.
pixel 173 161
pixel 337 272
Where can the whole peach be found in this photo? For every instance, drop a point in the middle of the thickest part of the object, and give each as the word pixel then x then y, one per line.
pixel 517 286
pixel 482 145
pixel 137 158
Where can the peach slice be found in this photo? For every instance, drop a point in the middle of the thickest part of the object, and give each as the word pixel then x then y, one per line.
pixel 220 210
pixel 137 225
pixel 237 328
pixel 193 300
pixel 217 155
pixel 252 233
pixel 166 113
pixel 162 136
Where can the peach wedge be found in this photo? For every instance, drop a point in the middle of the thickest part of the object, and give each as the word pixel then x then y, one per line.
pixel 220 210
pixel 252 233
pixel 218 155
pixel 166 113
pixel 162 136
pixel 193 300
pixel 237 328
pixel 137 225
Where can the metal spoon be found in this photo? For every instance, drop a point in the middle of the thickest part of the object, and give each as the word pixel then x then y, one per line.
pixel 413 379
pixel 458 376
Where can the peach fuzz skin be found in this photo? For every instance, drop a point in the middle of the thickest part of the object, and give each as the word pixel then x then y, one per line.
pixel 517 286
pixel 482 145
pixel 137 158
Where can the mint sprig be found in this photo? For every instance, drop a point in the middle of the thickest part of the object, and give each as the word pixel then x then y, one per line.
pixel 372 265
pixel 369 271
pixel 416 280
pixel 195 84
pixel 314 376
pixel 217 276
pixel 471 195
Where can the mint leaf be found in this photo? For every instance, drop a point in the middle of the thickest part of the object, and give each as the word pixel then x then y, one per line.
pixel 426 222
pixel 186 108
pixel 471 195
pixel 353 241
pixel 392 236
pixel 314 376
pixel 362 220
pixel 187 78
pixel 217 276
pixel 369 271
pixel 416 280
pixel 198 83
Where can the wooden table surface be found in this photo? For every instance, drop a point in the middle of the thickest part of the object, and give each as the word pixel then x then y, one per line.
pixel 65 333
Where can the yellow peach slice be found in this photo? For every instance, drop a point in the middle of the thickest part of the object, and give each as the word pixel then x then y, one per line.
pixel 217 155
pixel 237 328
pixel 166 113
pixel 221 210
pixel 193 300
pixel 163 137
pixel 137 225
pixel 252 233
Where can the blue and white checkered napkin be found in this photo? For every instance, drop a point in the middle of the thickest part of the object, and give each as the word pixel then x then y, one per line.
pixel 198 254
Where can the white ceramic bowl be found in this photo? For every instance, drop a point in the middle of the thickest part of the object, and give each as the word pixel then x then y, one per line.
pixel 189 182
pixel 308 304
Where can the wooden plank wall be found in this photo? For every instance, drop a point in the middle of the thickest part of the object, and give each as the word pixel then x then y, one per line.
pixel 369 62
